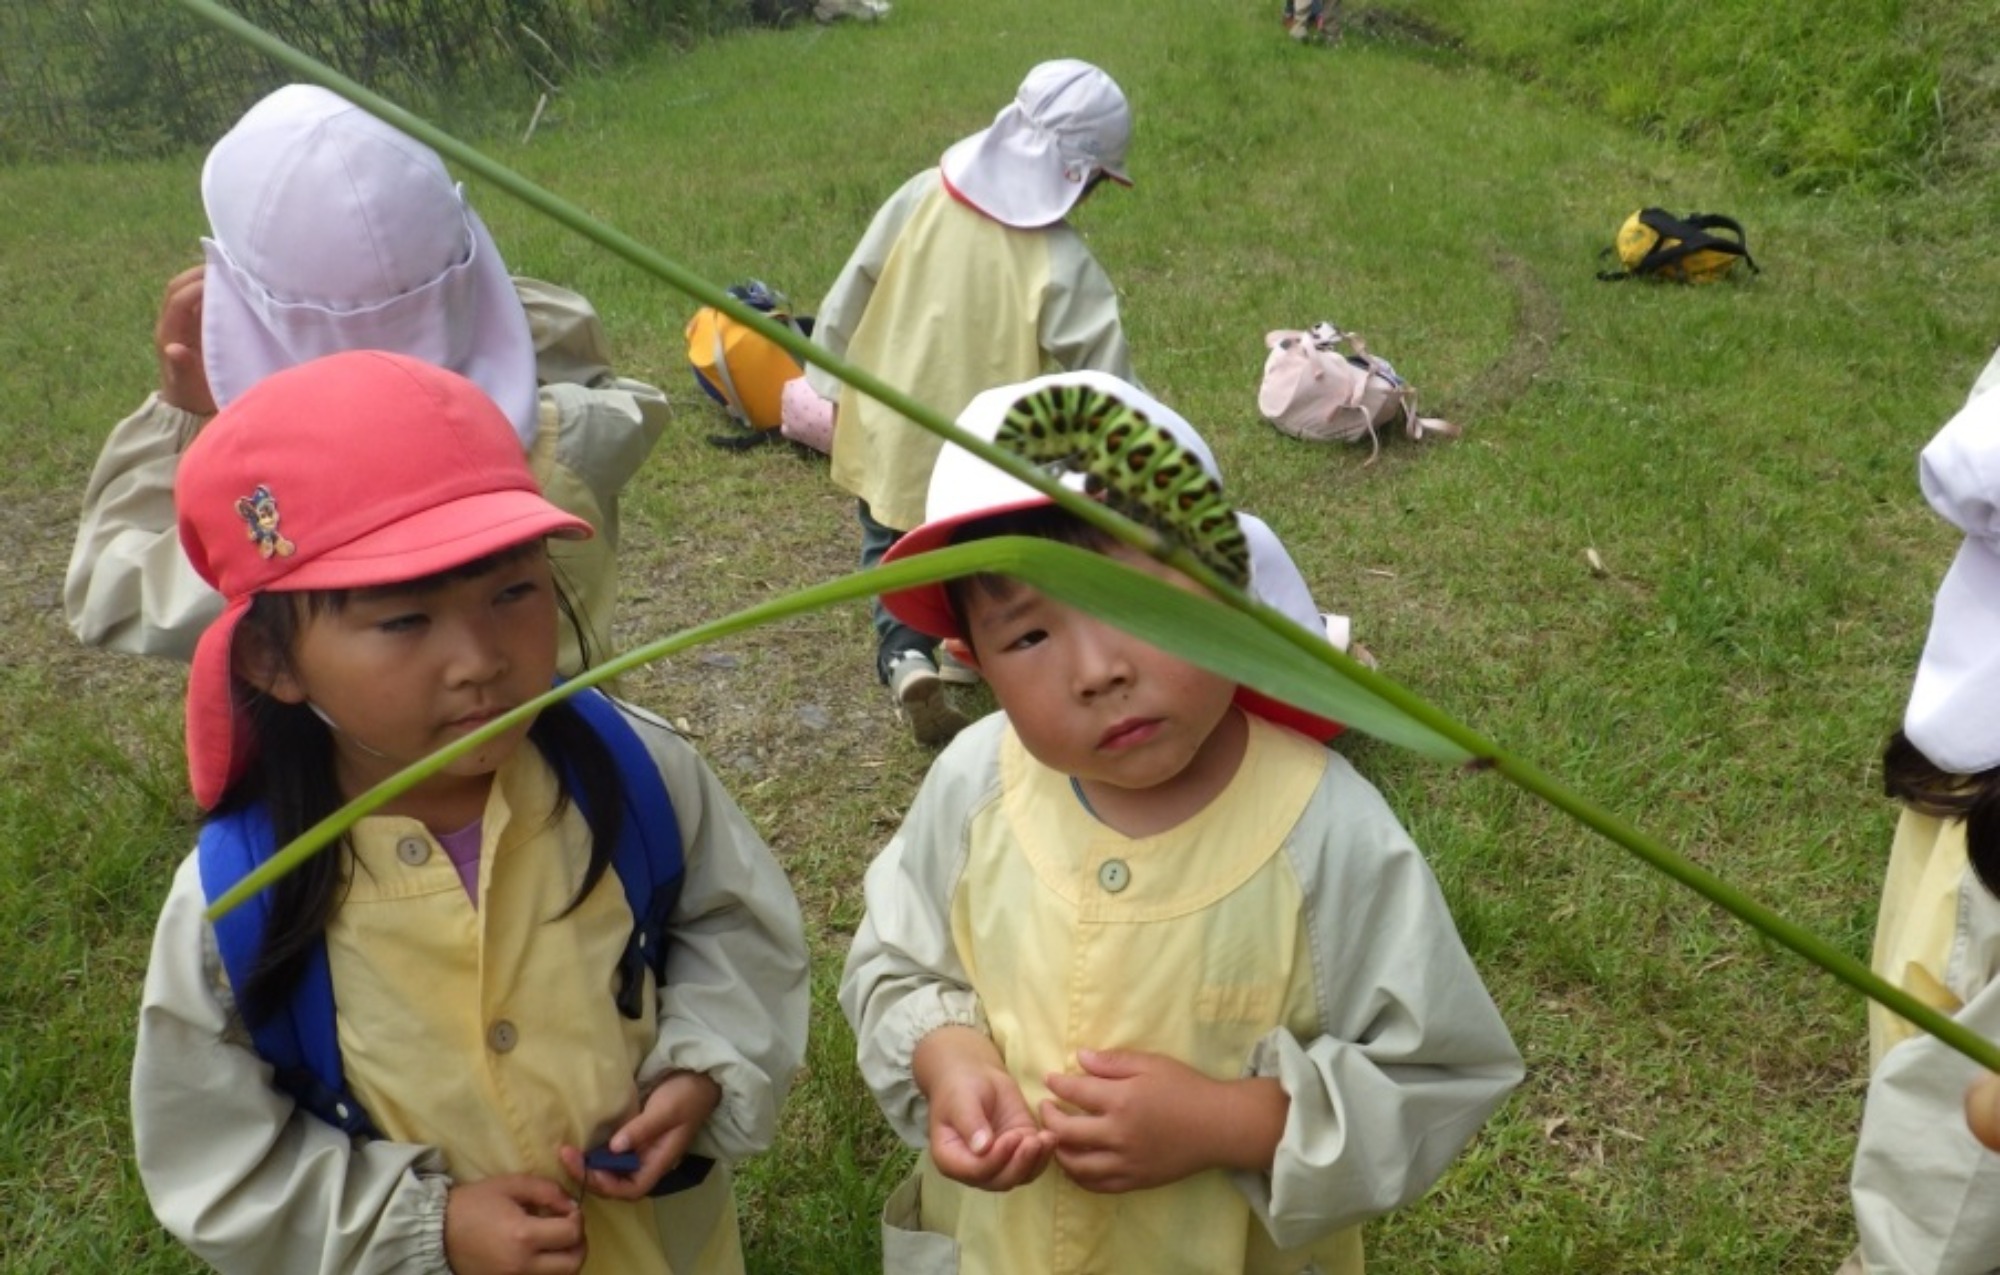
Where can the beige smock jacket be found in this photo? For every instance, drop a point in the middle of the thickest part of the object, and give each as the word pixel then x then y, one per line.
pixel 130 588
pixel 477 1040
pixel 941 302
pixel 1926 1194
pixel 1290 930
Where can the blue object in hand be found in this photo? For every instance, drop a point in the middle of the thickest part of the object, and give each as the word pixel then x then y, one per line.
pixel 611 1161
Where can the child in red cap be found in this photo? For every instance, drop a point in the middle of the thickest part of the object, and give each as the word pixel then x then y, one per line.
pixel 1156 975
pixel 472 926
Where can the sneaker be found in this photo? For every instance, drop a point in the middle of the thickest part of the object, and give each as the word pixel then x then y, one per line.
pixel 955 671
pixel 923 700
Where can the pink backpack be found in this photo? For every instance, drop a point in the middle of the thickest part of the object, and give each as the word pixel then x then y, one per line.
pixel 1315 390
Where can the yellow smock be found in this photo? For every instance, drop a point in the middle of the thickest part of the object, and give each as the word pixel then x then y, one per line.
pixel 1289 929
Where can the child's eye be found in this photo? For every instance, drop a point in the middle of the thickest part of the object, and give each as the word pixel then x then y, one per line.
pixel 517 591
pixel 1033 637
pixel 408 623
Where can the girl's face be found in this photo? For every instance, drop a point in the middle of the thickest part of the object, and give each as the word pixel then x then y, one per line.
pixel 403 670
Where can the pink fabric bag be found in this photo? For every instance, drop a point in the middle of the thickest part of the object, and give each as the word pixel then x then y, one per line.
pixel 1315 390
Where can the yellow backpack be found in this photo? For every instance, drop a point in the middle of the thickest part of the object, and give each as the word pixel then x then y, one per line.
pixel 739 368
pixel 1655 244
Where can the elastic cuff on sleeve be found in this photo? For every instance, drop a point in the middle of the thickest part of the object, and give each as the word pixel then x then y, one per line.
pixel 943 1016
pixel 432 1191
pixel 185 424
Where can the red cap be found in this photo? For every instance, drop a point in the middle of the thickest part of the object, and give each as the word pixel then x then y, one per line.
pixel 965 489
pixel 351 471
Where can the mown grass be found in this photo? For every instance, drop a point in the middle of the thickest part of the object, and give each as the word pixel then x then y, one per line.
pixel 1741 459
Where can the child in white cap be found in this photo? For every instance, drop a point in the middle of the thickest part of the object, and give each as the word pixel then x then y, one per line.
pixel 1926 1192
pixel 970 277
pixel 470 957
pixel 1154 980
pixel 330 231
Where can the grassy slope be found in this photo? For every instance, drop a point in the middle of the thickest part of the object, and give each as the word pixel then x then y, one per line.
pixel 1740 457
pixel 1878 94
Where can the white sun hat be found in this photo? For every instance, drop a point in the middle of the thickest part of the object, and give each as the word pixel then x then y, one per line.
pixel 332 231
pixel 966 489
pixel 1954 712
pixel 1068 122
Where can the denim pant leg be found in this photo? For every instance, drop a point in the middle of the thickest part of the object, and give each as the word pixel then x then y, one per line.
pixel 892 637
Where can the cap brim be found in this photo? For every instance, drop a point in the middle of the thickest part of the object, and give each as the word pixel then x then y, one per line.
pixel 927 607
pixel 438 539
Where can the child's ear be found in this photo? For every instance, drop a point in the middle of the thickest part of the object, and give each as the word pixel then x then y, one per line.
pixel 961 650
pixel 256 662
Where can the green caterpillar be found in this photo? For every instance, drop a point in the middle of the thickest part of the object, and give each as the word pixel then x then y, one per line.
pixel 1135 465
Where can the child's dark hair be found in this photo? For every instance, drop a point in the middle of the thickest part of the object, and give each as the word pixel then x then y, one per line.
pixel 1038 522
pixel 1925 787
pixel 291 775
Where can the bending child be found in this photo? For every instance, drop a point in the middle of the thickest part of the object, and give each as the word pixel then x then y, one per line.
pixel 330 231
pixel 1926 1191
pixel 1155 980
pixel 970 276
pixel 482 979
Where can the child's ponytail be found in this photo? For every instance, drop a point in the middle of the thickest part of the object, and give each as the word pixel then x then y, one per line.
pixel 1915 780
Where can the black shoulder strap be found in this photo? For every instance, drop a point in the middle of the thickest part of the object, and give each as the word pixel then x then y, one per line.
pixel 1694 235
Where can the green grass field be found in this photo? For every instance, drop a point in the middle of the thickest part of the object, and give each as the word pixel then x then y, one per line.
pixel 1740 458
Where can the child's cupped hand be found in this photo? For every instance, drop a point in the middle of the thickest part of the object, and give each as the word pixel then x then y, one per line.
pixel 516 1224
pixel 982 1132
pixel 1134 1120
pixel 660 1134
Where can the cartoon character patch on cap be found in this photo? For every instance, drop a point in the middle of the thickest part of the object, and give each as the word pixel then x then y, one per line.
pixel 259 511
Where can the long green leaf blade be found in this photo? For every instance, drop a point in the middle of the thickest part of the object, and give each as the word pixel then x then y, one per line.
pixel 1424 728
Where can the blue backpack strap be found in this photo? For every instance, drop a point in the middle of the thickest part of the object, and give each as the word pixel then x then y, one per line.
pixel 649 864
pixel 300 1040
pixel 648 857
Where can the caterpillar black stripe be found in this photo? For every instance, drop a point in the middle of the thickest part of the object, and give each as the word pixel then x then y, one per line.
pixel 1137 466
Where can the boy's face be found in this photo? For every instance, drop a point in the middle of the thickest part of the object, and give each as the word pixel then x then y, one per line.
pixel 405 670
pixel 1090 700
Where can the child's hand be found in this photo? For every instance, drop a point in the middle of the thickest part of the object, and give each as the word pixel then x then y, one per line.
pixel 981 1131
pixel 1982 1109
pixel 1141 1120
pixel 661 1133
pixel 513 1225
pixel 177 342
